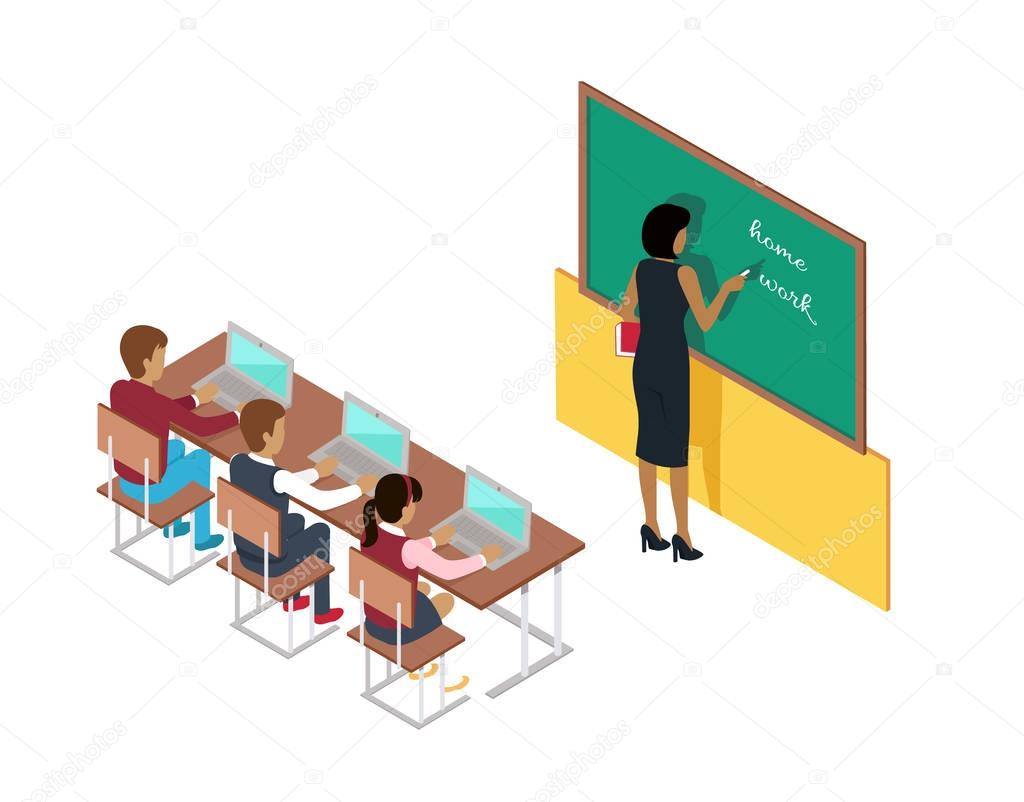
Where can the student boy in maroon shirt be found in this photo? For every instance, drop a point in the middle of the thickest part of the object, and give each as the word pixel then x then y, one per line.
pixel 142 349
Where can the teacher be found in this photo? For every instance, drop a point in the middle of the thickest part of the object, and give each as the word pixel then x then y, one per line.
pixel 665 292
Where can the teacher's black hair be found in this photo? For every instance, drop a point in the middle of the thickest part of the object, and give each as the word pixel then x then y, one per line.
pixel 661 227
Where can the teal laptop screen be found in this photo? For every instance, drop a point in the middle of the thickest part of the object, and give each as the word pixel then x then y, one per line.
pixel 506 514
pixel 371 432
pixel 263 368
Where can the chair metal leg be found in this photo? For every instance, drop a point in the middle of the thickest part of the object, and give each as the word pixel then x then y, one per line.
pixel 370 694
pixel 238 599
pixel 312 609
pixel 191 539
pixel 420 683
pixel 292 650
pixel 442 683
pixel 121 550
pixel 170 551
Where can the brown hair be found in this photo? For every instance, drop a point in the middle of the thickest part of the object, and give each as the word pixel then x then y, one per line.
pixel 257 419
pixel 139 343
pixel 392 495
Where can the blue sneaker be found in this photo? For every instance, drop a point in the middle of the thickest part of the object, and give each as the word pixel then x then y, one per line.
pixel 210 543
pixel 181 527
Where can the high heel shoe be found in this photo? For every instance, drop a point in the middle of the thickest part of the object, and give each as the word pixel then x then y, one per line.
pixel 681 551
pixel 648 538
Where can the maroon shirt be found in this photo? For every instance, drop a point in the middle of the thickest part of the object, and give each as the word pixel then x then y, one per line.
pixel 388 551
pixel 154 412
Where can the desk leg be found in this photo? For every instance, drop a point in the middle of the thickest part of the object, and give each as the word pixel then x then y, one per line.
pixel 559 649
pixel 558 611
pixel 524 629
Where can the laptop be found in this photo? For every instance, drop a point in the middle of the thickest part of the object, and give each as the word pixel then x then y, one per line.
pixel 491 513
pixel 370 442
pixel 252 369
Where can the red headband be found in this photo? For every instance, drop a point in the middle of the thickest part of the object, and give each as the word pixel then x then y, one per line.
pixel 408 489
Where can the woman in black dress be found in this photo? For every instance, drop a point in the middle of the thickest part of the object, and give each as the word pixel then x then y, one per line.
pixel 665 292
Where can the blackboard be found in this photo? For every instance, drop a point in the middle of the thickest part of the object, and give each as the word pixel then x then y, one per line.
pixel 796 334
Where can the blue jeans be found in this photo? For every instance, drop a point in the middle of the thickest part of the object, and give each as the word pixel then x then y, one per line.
pixel 300 542
pixel 182 469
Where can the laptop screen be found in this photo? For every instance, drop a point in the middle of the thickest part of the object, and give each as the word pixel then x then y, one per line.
pixel 262 367
pixel 371 432
pixel 491 505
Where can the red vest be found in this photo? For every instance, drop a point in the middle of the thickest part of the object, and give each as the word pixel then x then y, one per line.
pixel 388 551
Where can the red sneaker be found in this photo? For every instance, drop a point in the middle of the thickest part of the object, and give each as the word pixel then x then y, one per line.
pixel 329 617
pixel 299 604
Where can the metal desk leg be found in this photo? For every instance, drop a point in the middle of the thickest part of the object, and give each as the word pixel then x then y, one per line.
pixel 558 611
pixel 524 628
pixel 559 649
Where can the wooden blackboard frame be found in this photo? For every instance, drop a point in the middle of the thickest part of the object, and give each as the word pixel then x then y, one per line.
pixel 858 442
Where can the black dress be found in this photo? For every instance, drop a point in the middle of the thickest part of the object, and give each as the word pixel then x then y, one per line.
pixel 661 367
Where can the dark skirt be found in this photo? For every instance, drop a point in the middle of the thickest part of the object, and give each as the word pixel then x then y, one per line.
pixel 663 414
pixel 424 622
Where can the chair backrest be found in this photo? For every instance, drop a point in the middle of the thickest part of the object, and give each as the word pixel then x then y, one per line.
pixel 132 445
pixel 251 518
pixel 383 589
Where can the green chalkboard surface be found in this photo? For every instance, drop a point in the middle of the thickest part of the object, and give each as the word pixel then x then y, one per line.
pixel 795 334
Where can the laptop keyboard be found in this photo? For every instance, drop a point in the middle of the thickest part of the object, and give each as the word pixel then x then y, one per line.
pixel 355 460
pixel 236 389
pixel 472 532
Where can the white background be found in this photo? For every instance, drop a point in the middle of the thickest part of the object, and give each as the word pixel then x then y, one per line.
pixel 126 147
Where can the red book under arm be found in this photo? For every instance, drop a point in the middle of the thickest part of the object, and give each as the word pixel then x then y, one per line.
pixel 626 337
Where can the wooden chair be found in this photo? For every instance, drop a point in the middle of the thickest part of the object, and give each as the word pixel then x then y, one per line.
pixel 259 523
pixel 139 449
pixel 383 589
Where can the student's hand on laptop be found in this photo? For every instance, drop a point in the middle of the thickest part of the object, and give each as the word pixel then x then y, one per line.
pixel 207 392
pixel 326 466
pixel 443 535
pixel 367 483
pixel 491 552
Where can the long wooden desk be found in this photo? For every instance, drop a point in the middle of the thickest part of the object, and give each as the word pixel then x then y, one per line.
pixel 315 418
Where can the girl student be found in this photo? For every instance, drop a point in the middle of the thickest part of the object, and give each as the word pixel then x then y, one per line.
pixel 391 509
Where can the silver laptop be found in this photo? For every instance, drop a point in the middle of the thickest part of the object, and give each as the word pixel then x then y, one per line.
pixel 491 513
pixel 370 442
pixel 252 369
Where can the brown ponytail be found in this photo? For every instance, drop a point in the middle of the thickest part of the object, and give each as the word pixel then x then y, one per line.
pixel 392 494
pixel 369 524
